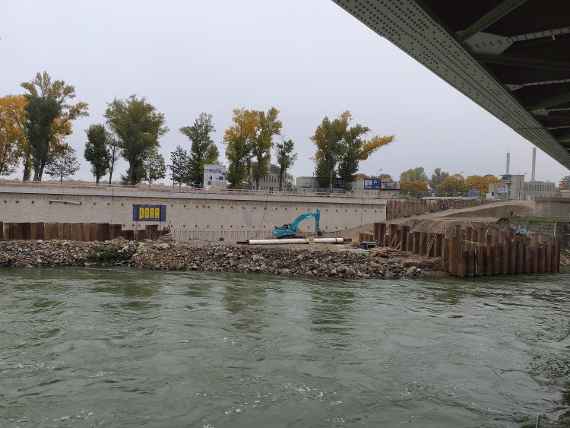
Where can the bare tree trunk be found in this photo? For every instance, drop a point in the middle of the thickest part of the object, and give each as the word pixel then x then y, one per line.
pixel 27 167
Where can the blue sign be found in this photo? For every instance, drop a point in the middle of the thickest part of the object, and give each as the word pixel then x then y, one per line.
pixel 372 184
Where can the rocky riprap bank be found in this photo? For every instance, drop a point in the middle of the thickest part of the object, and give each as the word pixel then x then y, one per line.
pixel 313 261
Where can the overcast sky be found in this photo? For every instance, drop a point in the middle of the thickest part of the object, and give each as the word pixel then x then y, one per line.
pixel 308 58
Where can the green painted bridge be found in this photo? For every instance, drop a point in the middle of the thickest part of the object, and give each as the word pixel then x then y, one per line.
pixel 512 57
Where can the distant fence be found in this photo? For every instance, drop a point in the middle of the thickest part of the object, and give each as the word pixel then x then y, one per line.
pixel 408 208
pixel 75 232
pixel 476 251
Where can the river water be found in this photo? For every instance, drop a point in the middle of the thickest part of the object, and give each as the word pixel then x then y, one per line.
pixel 108 348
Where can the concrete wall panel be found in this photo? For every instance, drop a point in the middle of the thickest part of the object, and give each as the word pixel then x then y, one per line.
pixel 210 214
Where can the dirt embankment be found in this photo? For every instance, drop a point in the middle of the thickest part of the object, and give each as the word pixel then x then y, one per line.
pixel 305 261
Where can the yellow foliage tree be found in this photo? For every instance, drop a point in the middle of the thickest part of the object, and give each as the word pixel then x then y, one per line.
pixel 13 142
pixel 339 143
pixel 454 185
pixel 481 183
pixel 50 113
pixel 414 187
pixel 239 139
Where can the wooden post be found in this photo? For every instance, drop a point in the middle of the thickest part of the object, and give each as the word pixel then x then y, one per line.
pixel 470 262
pixel 556 258
pixel 445 254
pixel 520 256
pixel 438 245
pixel 541 258
pixel 405 238
pixel 380 233
pixel 117 231
pixel 548 259
pixel 461 268
pixel 38 231
pixel 77 231
pixel 451 255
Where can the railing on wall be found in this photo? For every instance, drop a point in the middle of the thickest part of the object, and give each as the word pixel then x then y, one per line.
pixel 189 190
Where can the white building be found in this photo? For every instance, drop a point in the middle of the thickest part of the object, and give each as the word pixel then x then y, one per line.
pixel 540 189
pixel 513 187
pixel 215 176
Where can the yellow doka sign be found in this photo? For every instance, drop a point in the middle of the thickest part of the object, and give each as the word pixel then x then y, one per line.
pixel 149 213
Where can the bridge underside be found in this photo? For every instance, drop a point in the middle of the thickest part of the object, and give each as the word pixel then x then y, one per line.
pixel 512 57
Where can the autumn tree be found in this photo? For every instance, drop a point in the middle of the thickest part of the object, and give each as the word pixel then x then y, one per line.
pixel 203 150
pixel 13 141
pixel 414 182
pixel 179 166
pixel 154 166
pixel 454 185
pixel 340 144
pixel 286 157
pixel 437 177
pixel 356 149
pixel 239 139
pixel 50 113
pixel 327 138
pixel 97 150
pixel 268 126
pixel 480 183
pixel 138 126
pixel 63 163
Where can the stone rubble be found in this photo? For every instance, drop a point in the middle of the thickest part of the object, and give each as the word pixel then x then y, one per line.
pixel 303 261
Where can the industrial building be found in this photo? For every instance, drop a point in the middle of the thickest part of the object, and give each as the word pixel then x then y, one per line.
pixel 215 176
pixel 271 181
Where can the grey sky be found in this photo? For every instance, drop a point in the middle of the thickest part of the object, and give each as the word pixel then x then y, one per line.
pixel 306 57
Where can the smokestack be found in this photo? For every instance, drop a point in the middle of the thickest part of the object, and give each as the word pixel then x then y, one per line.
pixel 508 163
pixel 533 165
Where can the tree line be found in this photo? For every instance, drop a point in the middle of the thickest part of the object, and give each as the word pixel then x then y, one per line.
pixel 415 182
pixel 35 125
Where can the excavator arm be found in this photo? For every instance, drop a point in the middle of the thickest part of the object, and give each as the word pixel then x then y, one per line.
pixel 291 230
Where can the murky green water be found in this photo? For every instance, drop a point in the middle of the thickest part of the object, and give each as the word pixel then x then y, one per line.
pixel 95 348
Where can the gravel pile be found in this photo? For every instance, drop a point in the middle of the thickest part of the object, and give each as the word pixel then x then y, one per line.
pixel 306 262
pixel 317 262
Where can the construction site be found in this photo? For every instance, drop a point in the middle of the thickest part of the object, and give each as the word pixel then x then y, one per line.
pixel 285 234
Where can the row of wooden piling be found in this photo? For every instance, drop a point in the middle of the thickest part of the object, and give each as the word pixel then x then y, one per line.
pixel 75 232
pixel 476 251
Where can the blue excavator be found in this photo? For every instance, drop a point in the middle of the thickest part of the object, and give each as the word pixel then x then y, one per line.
pixel 291 230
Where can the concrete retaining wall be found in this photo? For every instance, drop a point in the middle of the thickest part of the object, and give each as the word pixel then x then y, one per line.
pixel 197 215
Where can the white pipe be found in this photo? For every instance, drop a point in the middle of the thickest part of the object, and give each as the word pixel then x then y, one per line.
pixel 295 241
pixel 328 240
pixel 276 241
